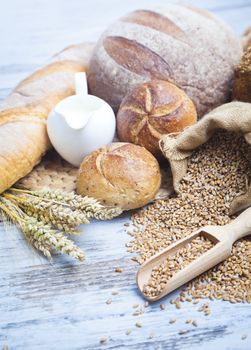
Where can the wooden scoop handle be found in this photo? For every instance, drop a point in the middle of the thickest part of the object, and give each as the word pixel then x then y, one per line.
pixel 240 227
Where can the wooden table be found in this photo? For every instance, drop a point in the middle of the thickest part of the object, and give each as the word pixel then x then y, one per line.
pixel 62 305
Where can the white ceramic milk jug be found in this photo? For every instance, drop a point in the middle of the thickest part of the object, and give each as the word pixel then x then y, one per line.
pixel 80 124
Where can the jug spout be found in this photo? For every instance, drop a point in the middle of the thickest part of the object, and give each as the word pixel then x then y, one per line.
pixel 75 120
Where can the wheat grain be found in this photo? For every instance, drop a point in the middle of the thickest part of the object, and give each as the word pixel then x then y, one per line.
pixel 174 263
pixel 217 173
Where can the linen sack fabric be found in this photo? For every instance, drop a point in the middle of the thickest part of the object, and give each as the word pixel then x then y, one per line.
pixel 177 148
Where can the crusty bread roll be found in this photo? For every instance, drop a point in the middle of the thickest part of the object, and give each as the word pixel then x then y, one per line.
pixel 120 174
pixel 23 136
pixel 184 45
pixel 152 110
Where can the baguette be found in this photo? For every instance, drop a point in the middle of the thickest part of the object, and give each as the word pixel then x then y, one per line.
pixel 23 114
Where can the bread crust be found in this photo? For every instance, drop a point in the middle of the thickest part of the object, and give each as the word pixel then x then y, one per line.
pixel 242 79
pixel 152 110
pixel 120 174
pixel 184 45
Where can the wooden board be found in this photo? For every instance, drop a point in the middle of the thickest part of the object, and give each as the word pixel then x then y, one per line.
pixel 62 305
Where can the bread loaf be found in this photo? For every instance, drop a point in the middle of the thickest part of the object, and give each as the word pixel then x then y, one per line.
pixel 181 44
pixel 152 110
pixel 23 136
pixel 120 174
pixel 242 81
pixel 246 38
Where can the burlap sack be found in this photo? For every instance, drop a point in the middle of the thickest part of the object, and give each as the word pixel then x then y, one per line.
pixel 233 116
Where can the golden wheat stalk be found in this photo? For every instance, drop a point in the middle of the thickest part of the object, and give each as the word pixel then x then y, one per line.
pixel 41 235
pixel 41 215
pixel 63 218
pixel 87 205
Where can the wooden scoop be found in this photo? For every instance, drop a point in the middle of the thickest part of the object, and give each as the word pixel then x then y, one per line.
pixel 222 236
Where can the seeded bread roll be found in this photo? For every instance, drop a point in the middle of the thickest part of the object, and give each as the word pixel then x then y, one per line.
pixel 120 174
pixel 152 110
pixel 184 45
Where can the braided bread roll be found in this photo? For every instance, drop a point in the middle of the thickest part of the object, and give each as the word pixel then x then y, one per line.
pixel 23 135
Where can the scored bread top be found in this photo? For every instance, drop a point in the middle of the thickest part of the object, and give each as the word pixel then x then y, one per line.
pixel 181 44
pixel 152 110
pixel 120 174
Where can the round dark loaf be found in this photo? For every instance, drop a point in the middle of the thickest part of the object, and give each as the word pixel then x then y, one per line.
pixel 181 44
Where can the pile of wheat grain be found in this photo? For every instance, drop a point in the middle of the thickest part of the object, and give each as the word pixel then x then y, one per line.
pixel 218 172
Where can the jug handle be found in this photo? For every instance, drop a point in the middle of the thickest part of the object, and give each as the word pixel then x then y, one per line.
pixel 81 87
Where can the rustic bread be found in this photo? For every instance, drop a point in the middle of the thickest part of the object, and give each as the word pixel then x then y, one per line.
pixel 246 38
pixel 152 110
pixel 23 136
pixel 181 44
pixel 120 174
pixel 242 80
